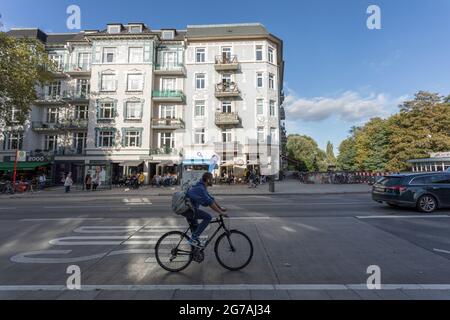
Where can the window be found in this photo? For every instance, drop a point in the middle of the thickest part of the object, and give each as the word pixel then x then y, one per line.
pixel 200 81
pixel 168 34
pixel 199 136
pixel 440 179
pixel 51 143
pixel 226 135
pixel 226 78
pixel 106 110
pixel 135 29
pixel 79 141
pixel 226 107
pixel 169 59
pixel 167 112
pixel 114 29
pixel 259 53
pixel 54 89
pixel 135 82
pixel 272 108
pixel 168 84
pixel 136 55
pixel 132 138
pixel 200 55
pixel 260 107
pixel 271 81
pixel 226 54
pixel 273 135
pixel 259 79
pixel 108 55
pixel 133 110
pixel 13 141
pixel 108 82
pixel 199 108
pixel 270 54
pixel 105 139
pixel 84 60
pixel 52 115
pixel 81 112
pixel 166 140
pixel 260 134
pixel 58 59
pixel 83 88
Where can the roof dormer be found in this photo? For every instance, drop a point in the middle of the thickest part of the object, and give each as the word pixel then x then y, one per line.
pixel 135 27
pixel 115 28
pixel 168 34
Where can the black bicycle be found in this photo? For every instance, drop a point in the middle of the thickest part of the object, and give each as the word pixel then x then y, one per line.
pixel 233 249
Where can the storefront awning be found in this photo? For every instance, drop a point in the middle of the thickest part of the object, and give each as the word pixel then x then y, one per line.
pixel 166 164
pixel 9 166
pixel 196 162
pixel 130 163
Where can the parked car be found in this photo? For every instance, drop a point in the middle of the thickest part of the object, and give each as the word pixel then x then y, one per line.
pixel 424 191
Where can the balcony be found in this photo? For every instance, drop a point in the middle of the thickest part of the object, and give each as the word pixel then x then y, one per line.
pixel 76 96
pixel 170 70
pixel 172 124
pixel 167 151
pixel 69 124
pixel 226 147
pixel 78 69
pixel 168 96
pixel 226 63
pixel 282 113
pixel 66 151
pixel 227 90
pixel 56 99
pixel 227 119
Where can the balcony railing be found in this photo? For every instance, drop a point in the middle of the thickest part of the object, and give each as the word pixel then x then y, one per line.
pixel 164 151
pixel 78 68
pixel 66 151
pixel 282 113
pixel 168 95
pixel 223 119
pixel 167 123
pixel 174 69
pixel 225 62
pixel 67 124
pixel 227 89
pixel 49 98
pixel 75 95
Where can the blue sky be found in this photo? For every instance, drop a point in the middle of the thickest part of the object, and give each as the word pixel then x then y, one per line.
pixel 338 72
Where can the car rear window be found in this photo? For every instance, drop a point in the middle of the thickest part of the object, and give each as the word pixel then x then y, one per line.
pixel 391 181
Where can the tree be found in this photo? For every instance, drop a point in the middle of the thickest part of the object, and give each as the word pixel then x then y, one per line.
pixel 331 159
pixel 306 151
pixel 347 154
pixel 23 65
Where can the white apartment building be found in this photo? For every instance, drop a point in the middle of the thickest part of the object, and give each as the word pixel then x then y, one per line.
pixel 128 98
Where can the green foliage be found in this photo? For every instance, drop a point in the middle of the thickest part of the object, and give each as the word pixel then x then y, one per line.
pixel 23 65
pixel 306 151
pixel 421 126
pixel 331 159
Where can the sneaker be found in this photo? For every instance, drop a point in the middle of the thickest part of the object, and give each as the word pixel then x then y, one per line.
pixel 195 243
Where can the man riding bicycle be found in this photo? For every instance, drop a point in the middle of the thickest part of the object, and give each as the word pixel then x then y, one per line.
pixel 198 196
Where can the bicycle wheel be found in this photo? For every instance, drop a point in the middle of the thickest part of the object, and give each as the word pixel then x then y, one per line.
pixel 234 250
pixel 173 252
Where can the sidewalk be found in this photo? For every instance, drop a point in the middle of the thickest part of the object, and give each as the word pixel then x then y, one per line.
pixel 287 187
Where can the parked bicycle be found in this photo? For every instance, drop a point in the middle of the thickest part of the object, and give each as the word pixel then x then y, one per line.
pixel 233 249
pixel 6 187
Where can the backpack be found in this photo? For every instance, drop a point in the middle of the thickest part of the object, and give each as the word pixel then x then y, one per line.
pixel 180 202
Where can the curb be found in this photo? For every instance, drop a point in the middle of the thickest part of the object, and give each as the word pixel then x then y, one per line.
pixel 99 195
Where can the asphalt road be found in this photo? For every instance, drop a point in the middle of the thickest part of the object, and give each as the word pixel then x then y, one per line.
pixel 306 246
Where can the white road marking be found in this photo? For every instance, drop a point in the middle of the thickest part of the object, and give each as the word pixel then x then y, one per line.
pixel 441 251
pixel 11 208
pixel 227 287
pixel 404 217
pixel 61 219
pixel 107 229
pixel 26 257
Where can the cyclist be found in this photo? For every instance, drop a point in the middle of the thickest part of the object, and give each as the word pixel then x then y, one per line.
pixel 199 196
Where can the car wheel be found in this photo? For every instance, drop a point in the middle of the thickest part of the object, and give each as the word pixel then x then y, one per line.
pixel 427 204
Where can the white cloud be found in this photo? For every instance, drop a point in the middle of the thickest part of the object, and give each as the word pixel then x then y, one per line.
pixel 349 106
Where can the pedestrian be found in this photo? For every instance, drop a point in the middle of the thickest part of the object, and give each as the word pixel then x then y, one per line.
pixel 141 179
pixel 88 182
pixel 95 182
pixel 68 182
pixel 42 180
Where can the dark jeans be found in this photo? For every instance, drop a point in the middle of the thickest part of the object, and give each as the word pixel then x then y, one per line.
pixel 191 217
pixel 67 189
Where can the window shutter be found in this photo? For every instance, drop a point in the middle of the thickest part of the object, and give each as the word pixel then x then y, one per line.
pixel 123 137
pixel 99 81
pixel 140 138
pixel 97 109
pixel 125 109
pixel 96 138
pixel 97 54
pixel 116 112
pixel 142 108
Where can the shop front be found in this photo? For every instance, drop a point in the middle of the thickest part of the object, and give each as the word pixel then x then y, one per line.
pixel 438 162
